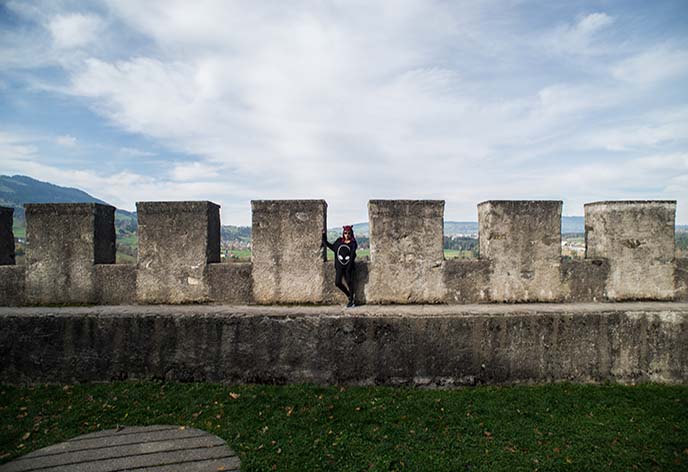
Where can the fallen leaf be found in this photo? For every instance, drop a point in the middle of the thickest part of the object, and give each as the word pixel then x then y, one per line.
pixel 26 436
pixel 233 395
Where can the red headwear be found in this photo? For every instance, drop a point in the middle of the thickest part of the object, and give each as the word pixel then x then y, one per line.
pixel 350 229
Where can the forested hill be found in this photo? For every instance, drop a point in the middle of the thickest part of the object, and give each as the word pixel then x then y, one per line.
pixel 17 190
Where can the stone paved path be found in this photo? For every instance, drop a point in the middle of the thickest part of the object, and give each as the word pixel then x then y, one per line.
pixel 148 448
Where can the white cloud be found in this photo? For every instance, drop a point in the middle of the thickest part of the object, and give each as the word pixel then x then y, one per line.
pixel 67 141
pixel 581 37
pixel 652 65
pixel 194 171
pixel 74 30
pixel 133 152
pixel 351 101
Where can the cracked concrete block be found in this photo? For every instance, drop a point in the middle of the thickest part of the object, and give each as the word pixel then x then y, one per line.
pixel 406 252
pixel 522 239
pixel 287 255
pixel 177 241
pixel 637 238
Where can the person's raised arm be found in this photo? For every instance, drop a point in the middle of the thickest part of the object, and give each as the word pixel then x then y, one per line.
pixel 325 242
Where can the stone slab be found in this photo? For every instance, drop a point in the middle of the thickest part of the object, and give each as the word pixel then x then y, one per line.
pixel 584 280
pixel 177 241
pixel 637 237
pixel 287 255
pixel 439 345
pixel 522 239
pixel 467 281
pixel 115 284
pixel 230 282
pixel 64 243
pixel 132 448
pixel 406 251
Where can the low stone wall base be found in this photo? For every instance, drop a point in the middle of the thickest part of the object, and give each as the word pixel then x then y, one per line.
pixel 370 345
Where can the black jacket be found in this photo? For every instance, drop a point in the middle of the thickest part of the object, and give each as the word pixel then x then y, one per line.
pixel 344 253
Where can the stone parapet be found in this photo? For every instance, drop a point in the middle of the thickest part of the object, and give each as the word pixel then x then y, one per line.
pixel 637 238
pixel 406 251
pixel 287 252
pixel 427 345
pixel 177 241
pixel 7 256
pixel 230 282
pixel 522 240
pixel 64 243
pixel 115 284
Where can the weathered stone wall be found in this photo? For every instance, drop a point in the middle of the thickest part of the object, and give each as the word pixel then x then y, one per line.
pixel 522 240
pixel 115 284
pixel 7 256
pixel 71 254
pixel 637 238
pixel 584 280
pixel 177 241
pixel 287 254
pixel 230 283
pixel 12 285
pixel 406 251
pixel 467 281
pixel 64 243
pixel 411 345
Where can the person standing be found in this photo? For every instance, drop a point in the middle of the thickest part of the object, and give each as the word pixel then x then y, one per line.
pixel 344 249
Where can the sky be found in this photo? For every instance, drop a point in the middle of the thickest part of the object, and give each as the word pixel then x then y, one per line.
pixel 348 101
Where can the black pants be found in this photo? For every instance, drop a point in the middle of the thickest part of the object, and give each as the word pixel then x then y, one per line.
pixel 347 272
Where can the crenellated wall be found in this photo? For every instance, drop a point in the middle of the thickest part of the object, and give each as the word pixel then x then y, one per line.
pixel 71 247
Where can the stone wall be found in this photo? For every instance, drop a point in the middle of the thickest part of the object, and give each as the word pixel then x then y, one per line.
pixel 396 345
pixel 406 251
pixel 637 238
pixel 70 256
pixel 522 240
pixel 64 243
pixel 287 254
pixel 177 241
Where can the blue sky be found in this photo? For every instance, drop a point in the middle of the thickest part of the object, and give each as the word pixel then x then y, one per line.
pixel 348 101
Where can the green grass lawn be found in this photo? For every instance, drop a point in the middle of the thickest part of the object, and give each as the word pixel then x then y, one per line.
pixel 553 427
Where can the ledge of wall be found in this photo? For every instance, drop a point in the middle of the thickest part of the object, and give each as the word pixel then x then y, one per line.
pixel 386 345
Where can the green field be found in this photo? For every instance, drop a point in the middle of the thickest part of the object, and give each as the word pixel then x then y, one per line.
pixel 552 427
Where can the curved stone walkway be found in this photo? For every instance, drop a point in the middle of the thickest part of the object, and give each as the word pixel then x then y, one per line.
pixel 147 448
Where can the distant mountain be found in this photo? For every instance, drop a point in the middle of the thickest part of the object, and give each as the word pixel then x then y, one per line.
pixel 17 190
pixel 569 224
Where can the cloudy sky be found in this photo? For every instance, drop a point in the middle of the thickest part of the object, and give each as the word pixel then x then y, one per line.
pixel 348 101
